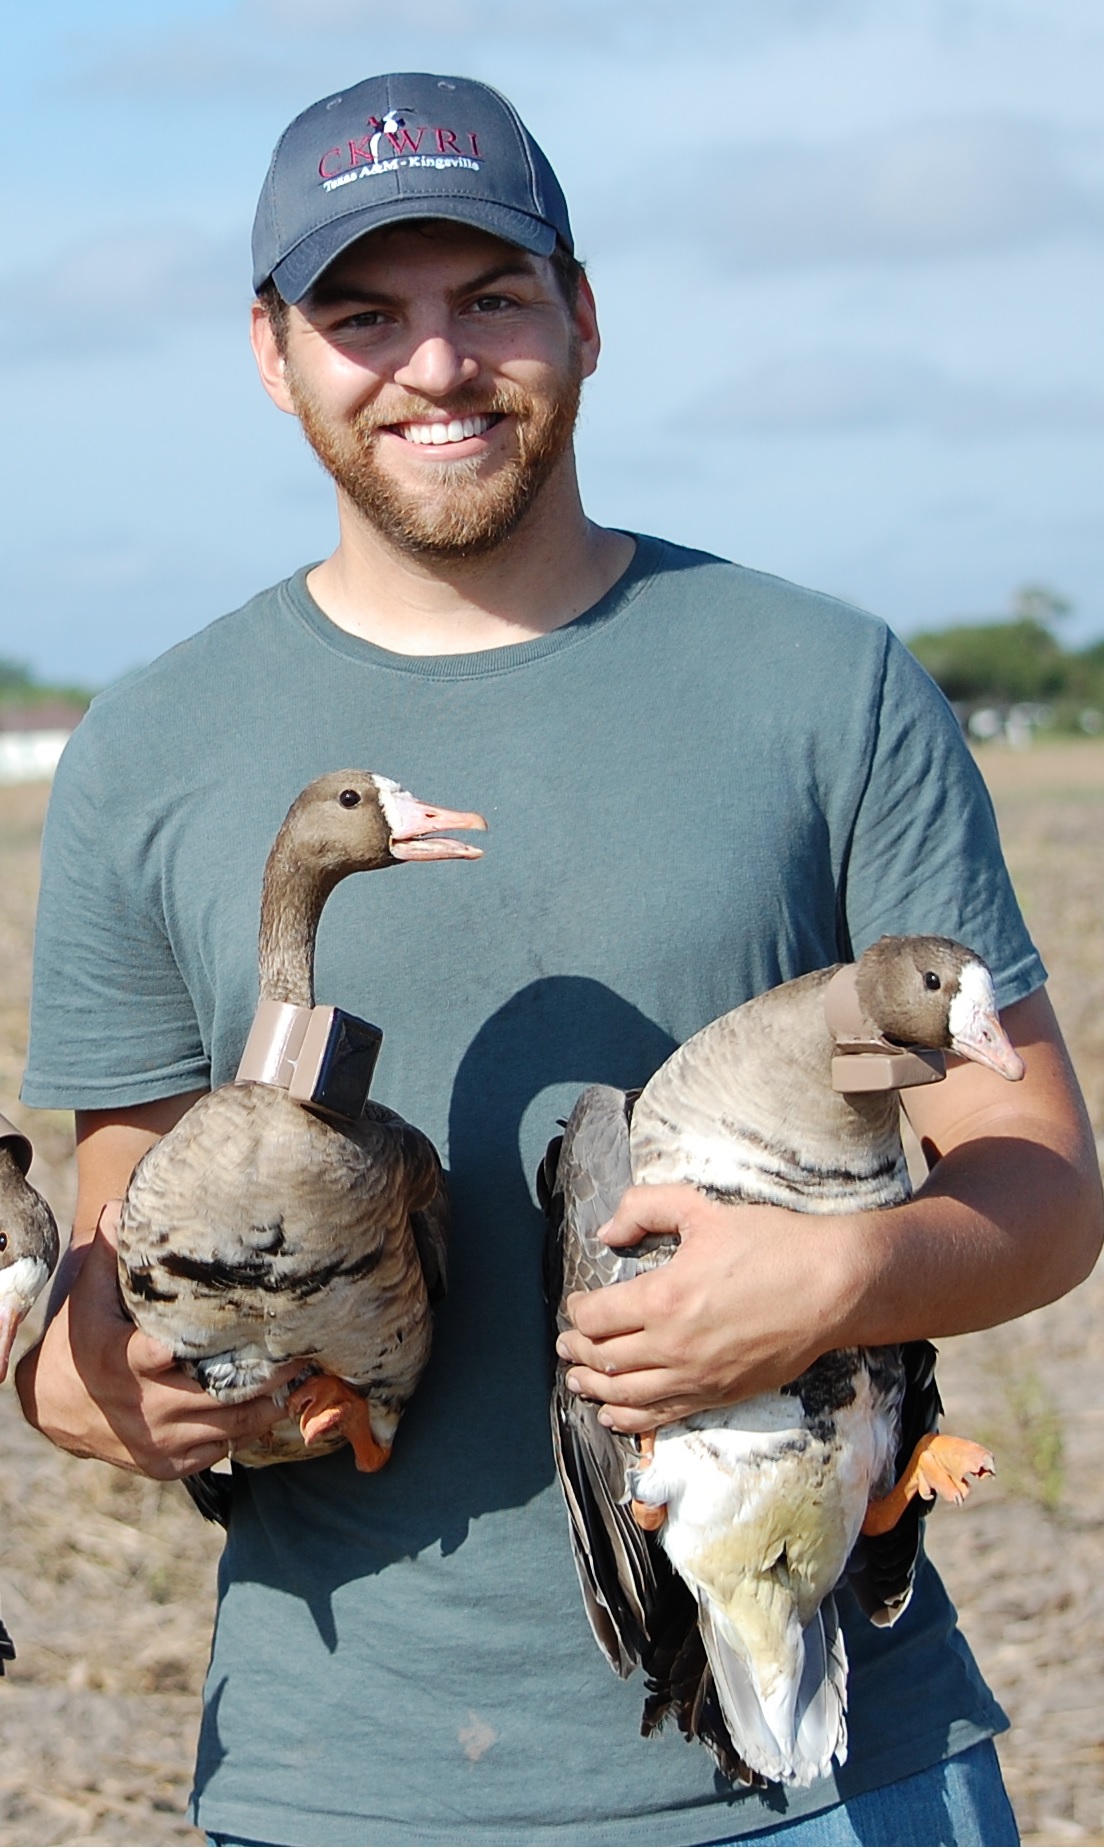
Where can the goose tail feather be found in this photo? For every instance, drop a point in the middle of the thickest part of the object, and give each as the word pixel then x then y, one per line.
pixel 791 1740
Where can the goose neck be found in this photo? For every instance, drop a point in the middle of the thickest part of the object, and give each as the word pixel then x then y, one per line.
pixel 292 897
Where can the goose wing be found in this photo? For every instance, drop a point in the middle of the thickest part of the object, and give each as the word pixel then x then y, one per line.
pixel 882 1566
pixel 641 1612
pixel 426 1196
pixel 584 1175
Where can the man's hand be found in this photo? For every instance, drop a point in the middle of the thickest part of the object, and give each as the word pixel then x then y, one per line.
pixel 95 1386
pixel 747 1302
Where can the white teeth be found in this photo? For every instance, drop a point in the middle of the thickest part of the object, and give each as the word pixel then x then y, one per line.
pixel 453 432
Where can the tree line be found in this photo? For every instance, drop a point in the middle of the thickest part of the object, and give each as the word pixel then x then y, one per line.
pixel 1017 664
pixel 20 687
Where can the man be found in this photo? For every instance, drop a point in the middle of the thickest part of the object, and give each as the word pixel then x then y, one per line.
pixel 699 782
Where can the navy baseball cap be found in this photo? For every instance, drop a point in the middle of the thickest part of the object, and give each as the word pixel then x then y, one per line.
pixel 400 147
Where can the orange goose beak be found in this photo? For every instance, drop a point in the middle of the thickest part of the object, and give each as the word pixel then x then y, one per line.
pixel 411 820
pixel 983 1039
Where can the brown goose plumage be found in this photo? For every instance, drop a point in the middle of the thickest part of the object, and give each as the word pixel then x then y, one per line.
pixel 257 1232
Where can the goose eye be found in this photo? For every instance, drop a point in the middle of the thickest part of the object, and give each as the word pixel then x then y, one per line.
pixel 349 798
pixel 931 980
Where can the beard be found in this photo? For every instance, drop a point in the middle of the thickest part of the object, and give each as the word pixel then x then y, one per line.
pixel 457 514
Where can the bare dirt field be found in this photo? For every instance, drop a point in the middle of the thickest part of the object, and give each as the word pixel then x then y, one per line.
pixel 107 1580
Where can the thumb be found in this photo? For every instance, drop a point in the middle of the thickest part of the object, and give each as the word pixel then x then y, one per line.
pixel 644 1210
pixel 107 1225
pixel 100 1277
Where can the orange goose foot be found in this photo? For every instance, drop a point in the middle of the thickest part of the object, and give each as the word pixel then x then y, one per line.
pixel 938 1466
pixel 647 1517
pixel 326 1406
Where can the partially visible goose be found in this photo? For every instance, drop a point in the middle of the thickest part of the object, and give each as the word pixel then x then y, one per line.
pixel 762 1507
pixel 28 1238
pixel 257 1232
pixel 28 1253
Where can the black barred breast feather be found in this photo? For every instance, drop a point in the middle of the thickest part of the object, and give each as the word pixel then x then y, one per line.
pixel 728 1607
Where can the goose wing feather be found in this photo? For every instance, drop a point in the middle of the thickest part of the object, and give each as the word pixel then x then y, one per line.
pixel 626 1580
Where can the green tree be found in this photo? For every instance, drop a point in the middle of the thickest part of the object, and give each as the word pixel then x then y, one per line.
pixel 1002 662
pixel 1018 661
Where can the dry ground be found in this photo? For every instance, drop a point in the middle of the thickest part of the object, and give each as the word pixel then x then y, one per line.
pixel 107 1580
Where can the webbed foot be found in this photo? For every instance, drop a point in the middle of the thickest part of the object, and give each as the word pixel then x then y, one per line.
pixel 940 1465
pixel 326 1406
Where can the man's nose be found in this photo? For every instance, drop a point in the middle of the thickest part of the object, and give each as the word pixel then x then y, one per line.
pixel 436 366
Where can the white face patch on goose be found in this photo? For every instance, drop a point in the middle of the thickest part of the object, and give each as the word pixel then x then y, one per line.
pixel 973 998
pixel 391 796
pixel 21 1282
pixel 975 1027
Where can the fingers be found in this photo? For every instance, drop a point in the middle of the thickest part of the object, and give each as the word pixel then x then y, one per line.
pixel 179 1430
pixel 620 1309
pixel 645 1209
pixel 619 1354
pixel 97 1387
pixel 633 1402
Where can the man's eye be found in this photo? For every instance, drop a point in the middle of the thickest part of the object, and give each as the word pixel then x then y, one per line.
pixel 491 304
pixel 364 317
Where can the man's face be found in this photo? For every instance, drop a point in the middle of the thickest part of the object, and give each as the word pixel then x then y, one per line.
pixel 436 372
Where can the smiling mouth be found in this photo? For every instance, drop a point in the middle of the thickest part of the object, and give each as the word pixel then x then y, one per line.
pixel 456 430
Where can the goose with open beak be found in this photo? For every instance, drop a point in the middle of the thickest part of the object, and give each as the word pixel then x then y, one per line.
pixel 261 1231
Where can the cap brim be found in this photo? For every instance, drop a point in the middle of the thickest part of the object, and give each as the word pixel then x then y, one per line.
pixel 297 274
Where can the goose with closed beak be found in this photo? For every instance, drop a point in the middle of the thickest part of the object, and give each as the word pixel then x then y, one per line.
pixel 708 1553
pixel 259 1232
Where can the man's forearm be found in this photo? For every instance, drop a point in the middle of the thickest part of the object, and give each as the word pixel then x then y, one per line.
pixel 1003 1224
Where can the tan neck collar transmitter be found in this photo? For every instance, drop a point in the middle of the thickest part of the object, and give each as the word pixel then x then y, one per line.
pixel 863 1060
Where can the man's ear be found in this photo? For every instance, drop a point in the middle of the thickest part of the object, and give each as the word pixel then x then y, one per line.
pixel 586 326
pixel 270 361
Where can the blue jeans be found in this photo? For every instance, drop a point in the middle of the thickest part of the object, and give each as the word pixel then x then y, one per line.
pixel 962 1801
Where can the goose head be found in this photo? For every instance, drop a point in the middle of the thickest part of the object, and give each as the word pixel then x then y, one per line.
pixel 353 821
pixel 348 821
pixel 930 991
pixel 28 1241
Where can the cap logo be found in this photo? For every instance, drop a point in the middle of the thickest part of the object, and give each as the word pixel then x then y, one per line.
pixel 400 146
pixel 450 147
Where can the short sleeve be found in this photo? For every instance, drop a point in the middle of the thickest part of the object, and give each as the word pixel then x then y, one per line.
pixel 112 1021
pixel 925 854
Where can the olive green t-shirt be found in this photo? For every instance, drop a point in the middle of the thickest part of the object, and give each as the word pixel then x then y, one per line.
pixel 709 783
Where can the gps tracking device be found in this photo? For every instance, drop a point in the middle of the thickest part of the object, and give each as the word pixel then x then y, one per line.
pixel 321 1056
pixel 866 1062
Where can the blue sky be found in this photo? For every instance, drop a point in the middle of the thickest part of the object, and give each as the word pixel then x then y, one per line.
pixel 849 258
